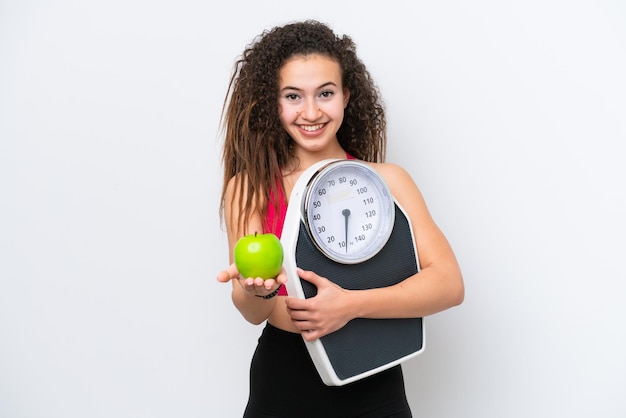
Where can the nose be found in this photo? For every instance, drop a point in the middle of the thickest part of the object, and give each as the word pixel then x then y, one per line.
pixel 310 110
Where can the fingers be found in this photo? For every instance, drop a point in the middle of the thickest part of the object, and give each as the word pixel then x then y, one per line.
pixel 310 277
pixel 311 335
pixel 250 283
pixel 304 318
pixel 320 315
pixel 307 275
pixel 309 330
pixel 282 276
pixel 232 272
pixel 261 287
pixel 306 327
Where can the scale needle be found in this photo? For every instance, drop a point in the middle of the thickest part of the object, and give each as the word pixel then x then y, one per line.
pixel 346 214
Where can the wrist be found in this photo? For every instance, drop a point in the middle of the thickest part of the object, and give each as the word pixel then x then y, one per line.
pixel 357 303
pixel 270 295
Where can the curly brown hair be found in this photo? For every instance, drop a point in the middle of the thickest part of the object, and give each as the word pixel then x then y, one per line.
pixel 256 144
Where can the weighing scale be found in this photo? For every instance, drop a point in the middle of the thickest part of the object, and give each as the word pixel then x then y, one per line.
pixel 343 223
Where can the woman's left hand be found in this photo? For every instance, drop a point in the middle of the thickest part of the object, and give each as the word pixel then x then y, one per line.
pixel 322 314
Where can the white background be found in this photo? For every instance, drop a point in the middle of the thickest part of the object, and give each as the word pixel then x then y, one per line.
pixel 510 115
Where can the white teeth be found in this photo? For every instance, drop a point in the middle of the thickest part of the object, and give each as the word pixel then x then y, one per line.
pixel 311 128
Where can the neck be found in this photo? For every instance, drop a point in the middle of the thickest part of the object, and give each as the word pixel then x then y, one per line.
pixel 304 160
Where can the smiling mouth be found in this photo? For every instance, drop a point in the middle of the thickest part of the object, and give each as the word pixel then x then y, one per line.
pixel 312 128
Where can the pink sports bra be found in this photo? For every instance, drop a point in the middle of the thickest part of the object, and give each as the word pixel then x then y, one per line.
pixel 273 221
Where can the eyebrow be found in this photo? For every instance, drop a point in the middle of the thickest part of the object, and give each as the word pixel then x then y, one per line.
pixel 330 83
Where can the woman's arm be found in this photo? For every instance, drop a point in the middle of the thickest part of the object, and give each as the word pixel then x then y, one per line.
pixel 245 290
pixel 439 284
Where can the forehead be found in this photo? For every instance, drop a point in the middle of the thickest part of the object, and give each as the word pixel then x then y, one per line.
pixel 316 69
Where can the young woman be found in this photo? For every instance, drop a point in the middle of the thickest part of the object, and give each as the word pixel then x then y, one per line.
pixel 299 94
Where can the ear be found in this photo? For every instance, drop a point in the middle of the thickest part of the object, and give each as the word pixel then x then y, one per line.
pixel 346 97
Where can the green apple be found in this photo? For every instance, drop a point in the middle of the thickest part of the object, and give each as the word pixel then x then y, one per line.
pixel 259 255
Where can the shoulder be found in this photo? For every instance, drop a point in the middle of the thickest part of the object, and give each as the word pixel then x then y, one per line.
pixel 402 187
pixel 242 208
pixel 388 168
pixel 234 186
pixel 238 190
pixel 396 177
pixel 237 184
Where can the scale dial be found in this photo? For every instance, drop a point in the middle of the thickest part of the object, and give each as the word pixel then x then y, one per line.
pixel 348 211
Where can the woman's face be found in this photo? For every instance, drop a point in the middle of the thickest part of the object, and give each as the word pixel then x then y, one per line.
pixel 311 101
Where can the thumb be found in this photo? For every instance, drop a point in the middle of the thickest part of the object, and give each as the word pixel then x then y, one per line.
pixel 311 277
pixel 231 272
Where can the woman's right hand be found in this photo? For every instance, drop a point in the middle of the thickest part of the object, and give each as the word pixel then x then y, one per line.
pixel 251 285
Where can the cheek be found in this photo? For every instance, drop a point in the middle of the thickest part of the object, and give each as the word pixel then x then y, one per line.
pixel 336 112
pixel 286 115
